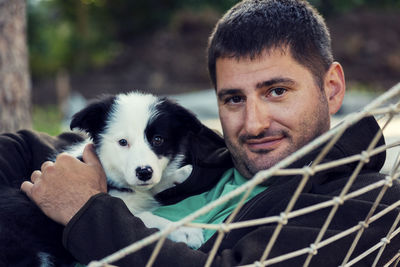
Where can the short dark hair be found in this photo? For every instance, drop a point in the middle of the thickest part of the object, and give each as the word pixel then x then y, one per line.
pixel 252 26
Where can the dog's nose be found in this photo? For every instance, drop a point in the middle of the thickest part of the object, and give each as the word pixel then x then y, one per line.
pixel 144 173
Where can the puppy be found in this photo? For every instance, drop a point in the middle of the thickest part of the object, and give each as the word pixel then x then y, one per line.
pixel 142 143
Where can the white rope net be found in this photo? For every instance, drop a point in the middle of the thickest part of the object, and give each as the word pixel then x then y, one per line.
pixel 386 109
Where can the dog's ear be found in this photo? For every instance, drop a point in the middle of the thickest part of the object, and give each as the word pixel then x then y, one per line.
pixel 189 120
pixel 92 119
pixel 183 116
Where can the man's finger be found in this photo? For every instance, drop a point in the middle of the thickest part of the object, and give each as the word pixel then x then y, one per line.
pixel 35 175
pixel 27 188
pixel 89 156
pixel 46 164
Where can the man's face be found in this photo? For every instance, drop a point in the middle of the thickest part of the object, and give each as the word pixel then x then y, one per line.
pixel 269 107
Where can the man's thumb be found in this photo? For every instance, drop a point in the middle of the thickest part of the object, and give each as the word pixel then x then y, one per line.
pixel 89 155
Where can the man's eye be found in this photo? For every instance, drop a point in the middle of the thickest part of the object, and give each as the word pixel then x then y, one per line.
pixel 157 140
pixel 122 142
pixel 234 99
pixel 277 91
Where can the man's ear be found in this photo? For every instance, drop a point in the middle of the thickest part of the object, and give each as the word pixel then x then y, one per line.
pixel 335 87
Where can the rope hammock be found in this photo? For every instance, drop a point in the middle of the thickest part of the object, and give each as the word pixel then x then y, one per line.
pixel 386 109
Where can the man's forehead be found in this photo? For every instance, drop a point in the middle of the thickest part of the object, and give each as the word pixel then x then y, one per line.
pixel 269 68
pixel 257 55
pixel 266 56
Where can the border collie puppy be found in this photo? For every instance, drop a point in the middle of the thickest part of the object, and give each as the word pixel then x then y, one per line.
pixel 141 141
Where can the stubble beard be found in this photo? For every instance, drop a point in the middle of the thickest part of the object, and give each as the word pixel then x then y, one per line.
pixel 317 124
pixel 250 162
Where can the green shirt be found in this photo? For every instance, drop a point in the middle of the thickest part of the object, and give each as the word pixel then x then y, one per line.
pixel 230 180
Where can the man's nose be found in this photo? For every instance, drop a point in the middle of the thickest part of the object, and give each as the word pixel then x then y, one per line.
pixel 257 118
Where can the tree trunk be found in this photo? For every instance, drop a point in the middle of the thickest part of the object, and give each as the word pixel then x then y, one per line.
pixel 15 88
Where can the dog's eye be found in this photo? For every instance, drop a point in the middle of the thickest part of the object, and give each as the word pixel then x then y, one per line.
pixel 157 140
pixel 123 142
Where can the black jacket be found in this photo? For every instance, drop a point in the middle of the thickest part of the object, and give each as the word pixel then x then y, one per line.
pixel 105 225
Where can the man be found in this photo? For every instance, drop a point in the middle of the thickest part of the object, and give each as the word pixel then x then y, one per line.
pixel 276 83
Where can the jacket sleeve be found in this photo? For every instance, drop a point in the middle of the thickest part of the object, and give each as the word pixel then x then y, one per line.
pixel 105 225
pixel 23 152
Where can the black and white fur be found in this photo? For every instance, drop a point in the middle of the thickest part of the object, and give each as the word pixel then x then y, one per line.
pixel 142 143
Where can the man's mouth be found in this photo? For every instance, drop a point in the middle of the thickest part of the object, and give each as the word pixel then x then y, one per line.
pixel 264 144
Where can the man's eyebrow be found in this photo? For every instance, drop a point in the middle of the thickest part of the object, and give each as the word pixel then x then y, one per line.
pixel 225 92
pixel 278 80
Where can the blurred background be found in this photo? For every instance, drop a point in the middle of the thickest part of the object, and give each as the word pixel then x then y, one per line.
pixel 79 49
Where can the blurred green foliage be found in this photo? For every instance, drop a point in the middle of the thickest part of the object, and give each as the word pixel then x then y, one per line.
pixel 47 119
pixel 79 34
pixel 67 35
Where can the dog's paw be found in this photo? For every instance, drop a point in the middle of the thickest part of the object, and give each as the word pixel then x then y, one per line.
pixel 193 237
pixel 182 174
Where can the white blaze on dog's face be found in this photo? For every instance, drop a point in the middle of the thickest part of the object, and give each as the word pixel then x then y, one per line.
pixel 125 152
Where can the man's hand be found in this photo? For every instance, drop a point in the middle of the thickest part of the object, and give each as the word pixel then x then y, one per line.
pixel 62 187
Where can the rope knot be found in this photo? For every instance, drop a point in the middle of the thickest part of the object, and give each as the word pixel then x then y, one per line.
pixel 283 218
pixel 364 157
pixel 363 224
pixel 313 249
pixel 388 181
pixel 224 228
pixel 308 170
pixel 338 200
